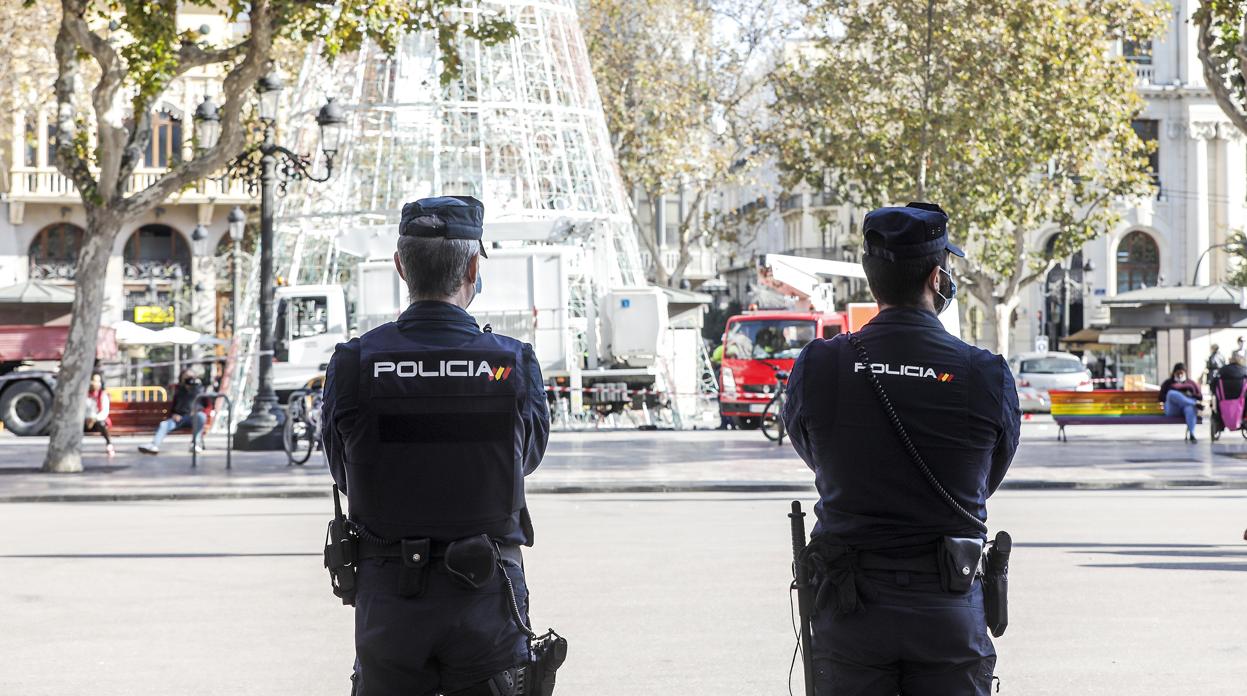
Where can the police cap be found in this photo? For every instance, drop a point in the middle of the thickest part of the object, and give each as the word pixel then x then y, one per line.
pixel 445 217
pixel 909 232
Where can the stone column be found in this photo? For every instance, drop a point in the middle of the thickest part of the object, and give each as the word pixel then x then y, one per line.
pixel 1232 190
pixel 1199 236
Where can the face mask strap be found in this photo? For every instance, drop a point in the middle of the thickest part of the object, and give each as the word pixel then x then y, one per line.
pixel 952 292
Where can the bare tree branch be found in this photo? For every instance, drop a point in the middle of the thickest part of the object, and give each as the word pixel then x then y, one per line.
pixel 1214 69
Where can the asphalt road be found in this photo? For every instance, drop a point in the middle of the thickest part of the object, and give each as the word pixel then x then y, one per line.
pixel 1113 593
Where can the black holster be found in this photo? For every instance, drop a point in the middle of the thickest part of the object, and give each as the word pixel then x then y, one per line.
pixel 996 583
pixel 341 554
pixel 549 651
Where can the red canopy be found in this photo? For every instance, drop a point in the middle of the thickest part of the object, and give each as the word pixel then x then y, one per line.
pixel 21 342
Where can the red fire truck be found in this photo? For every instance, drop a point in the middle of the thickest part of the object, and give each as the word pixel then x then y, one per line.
pixel 758 344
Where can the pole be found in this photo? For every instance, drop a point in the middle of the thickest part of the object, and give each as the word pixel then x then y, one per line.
pixel 261 429
pixel 1065 306
pixel 805 602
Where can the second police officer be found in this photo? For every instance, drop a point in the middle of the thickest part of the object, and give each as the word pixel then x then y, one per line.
pixel 430 426
pixel 891 616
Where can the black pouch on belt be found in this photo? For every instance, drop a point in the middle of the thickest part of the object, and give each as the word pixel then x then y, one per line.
pixel 415 566
pixel 959 561
pixel 472 561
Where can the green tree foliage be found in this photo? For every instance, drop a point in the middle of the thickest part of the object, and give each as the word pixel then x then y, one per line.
pixel 114 58
pixel 1011 114
pixel 1222 26
pixel 684 86
pixel 26 61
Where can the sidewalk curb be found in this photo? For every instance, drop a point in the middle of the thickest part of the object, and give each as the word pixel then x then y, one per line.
pixel 634 488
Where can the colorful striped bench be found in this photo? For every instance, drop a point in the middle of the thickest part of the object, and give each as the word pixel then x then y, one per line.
pixel 1108 407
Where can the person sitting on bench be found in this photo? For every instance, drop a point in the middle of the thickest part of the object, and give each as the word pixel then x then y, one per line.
pixel 182 413
pixel 1181 397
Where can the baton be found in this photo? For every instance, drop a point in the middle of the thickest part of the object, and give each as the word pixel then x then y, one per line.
pixel 801 582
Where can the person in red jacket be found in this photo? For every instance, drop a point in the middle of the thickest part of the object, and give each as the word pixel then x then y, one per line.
pixel 95 418
pixel 1181 396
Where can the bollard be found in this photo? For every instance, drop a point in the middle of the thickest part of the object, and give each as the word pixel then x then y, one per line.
pixel 229 429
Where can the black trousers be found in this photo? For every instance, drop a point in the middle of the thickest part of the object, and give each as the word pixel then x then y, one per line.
pixel 98 427
pixel 911 639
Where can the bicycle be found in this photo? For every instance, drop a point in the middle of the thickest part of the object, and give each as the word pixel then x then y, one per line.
pixel 772 416
pixel 301 431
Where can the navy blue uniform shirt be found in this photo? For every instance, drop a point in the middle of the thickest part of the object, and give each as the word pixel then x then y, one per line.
pixel 958 402
pixel 427 325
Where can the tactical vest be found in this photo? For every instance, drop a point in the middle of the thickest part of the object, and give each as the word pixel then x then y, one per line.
pixel 437 449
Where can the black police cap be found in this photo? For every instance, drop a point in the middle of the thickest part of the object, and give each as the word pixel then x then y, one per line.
pixel 908 232
pixel 444 217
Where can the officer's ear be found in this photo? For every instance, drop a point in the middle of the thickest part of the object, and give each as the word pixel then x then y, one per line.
pixel 933 279
pixel 474 267
pixel 398 265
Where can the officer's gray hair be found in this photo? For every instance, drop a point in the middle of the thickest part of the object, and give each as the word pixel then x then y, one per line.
pixel 435 267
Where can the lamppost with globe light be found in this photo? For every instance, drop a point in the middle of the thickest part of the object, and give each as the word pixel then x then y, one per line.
pixel 261 430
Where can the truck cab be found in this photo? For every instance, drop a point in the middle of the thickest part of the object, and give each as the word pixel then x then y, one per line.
pixel 758 344
pixel 310 321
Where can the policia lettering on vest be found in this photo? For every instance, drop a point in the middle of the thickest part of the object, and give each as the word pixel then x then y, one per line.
pixel 430 426
pixel 908 431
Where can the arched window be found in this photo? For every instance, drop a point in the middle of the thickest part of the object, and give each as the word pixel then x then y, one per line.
pixel 54 252
pixel 156 252
pixel 1138 262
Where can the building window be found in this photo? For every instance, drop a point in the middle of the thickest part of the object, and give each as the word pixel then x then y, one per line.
pixel 54 252
pixel 1137 52
pixel 165 147
pixel 1138 262
pixel 1148 130
pixel 30 147
pixel 156 252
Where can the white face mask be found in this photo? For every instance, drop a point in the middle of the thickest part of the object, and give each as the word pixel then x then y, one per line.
pixel 1180 377
pixel 952 292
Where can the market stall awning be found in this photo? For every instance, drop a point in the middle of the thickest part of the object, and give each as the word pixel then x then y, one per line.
pixel 1102 339
pixel 1180 307
pixel 36 292
pixel 131 334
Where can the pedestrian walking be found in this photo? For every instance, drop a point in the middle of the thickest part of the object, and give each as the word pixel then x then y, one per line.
pixel 431 424
pixel 716 361
pixel 1239 351
pixel 1215 362
pixel 182 414
pixel 1182 398
pixel 900 608
pixel 95 417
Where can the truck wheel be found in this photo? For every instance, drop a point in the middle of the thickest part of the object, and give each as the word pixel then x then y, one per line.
pixel 26 408
pixel 748 422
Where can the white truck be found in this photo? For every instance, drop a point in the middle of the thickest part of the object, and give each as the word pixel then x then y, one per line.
pixel 610 352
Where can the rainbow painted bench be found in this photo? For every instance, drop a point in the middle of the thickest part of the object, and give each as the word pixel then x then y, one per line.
pixel 1108 407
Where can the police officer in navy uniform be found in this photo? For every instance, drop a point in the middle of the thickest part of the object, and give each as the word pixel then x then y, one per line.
pixel 886 622
pixel 430 426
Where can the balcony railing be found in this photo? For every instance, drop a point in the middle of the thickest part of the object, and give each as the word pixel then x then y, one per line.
pixel 46 183
pixel 702 263
pixel 1144 73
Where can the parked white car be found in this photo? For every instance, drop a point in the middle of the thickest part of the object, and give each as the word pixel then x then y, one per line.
pixel 1037 373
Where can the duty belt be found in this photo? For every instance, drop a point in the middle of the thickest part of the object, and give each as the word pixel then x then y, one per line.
pixel 837 569
pixel 369 547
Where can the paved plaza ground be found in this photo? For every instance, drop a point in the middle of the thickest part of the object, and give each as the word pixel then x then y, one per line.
pixel 1113 593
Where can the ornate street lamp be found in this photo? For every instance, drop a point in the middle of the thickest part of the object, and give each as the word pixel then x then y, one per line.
pixel 237 226
pixel 261 430
pixel 207 124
